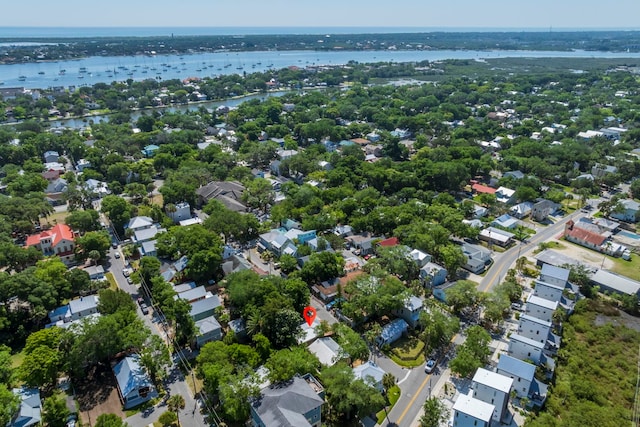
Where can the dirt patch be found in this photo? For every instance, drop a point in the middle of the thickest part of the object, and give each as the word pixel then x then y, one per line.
pixel 586 256
pixel 98 394
pixel 623 319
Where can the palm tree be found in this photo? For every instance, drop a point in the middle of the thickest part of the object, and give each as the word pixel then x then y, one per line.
pixel 175 403
pixel 94 256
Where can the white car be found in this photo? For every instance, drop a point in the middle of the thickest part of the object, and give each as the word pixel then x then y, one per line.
pixel 429 366
pixel 117 255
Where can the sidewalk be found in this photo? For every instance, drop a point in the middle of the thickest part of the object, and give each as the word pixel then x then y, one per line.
pixel 439 392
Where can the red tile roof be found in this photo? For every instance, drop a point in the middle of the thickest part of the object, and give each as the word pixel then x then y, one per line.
pixel 58 233
pixel 584 235
pixel 479 188
pixel 392 241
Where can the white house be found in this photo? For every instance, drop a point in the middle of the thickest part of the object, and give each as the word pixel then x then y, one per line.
pixel 182 212
pixel 554 275
pixel 139 223
pixel 492 388
pixel 471 412
pixel 524 348
pixel 505 195
pixel 534 328
pixel 540 308
pixel 525 383
pixel 419 257
pixel 371 374
pixel 327 351
pixel 30 411
pixel 207 330
pixel 629 212
pixel 548 291
pixel 432 274
pixel 477 258
pixel 134 385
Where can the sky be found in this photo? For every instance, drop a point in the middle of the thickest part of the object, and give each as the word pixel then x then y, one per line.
pixel 441 14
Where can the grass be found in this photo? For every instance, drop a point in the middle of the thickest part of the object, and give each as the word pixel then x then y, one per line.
pixel 195 388
pixel 627 268
pixel 392 395
pixel 113 285
pixel 548 245
pixel 17 359
pixel 54 218
pixel 407 352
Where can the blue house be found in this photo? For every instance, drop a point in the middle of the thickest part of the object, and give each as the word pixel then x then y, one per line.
pixel 432 274
pixel 150 150
pixel 30 411
pixel 134 385
pixel 410 311
pixel 392 332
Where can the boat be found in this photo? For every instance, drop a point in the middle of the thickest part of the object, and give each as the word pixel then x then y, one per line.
pixel 83 69
pixel 41 72
pixel 22 78
pixel 1 82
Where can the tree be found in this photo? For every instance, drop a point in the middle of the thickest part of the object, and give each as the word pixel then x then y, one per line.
pixel 351 342
pixel 258 194
pixel 284 364
pixel 111 301
pixel 79 280
pixel 155 357
pixel 167 418
pixel 347 396
pixel 175 404
pixel 496 305
pixel 473 353
pixel 93 245
pixel 43 357
pixel 437 328
pixel 149 268
pixel 388 381
pixel 288 263
pixel 6 366
pixel 236 393
pixel 463 294
pixel 322 266
pixel 54 411
pixel 118 210
pixel 435 413
pixel 109 420
pixel 83 221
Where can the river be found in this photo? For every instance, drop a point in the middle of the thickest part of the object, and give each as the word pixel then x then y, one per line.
pixel 106 69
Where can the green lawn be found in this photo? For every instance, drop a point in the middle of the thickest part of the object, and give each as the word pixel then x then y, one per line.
pixel 407 352
pixel 548 245
pixel 393 395
pixel 113 285
pixel 631 268
pixel 16 359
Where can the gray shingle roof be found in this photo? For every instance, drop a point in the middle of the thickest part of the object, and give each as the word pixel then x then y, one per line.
pixel 283 404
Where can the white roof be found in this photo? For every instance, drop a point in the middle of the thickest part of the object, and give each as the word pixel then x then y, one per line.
pixel 534 319
pixel 493 380
pixel 326 350
pixel 525 340
pixel 308 332
pixel 474 407
pixel 551 305
pixel 619 283
pixel 555 272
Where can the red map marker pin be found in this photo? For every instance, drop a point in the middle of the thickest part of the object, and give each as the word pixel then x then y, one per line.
pixel 309 314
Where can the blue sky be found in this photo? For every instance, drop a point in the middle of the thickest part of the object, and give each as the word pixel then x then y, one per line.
pixel 512 14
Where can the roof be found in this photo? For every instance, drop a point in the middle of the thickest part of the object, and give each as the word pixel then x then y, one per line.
pixel 326 350
pixel 130 375
pixel 496 234
pixel 551 257
pixel 525 340
pixel 616 282
pixel 229 193
pixel 516 174
pixel 283 404
pixel 149 246
pixel 308 332
pixel 413 303
pixel 474 407
pixel 555 272
pixel 139 222
pixel 391 241
pixel 192 294
pixel 505 220
pixel 369 372
pixel 30 407
pixel 493 380
pixel 393 327
pixel 81 304
pixel 204 305
pixel 551 305
pixel 58 233
pixel 630 204
pixel 146 234
pixel 516 367
pixel 184 287
pixel 584 235
pixel 534 320
pixel 208 324
pixel 479 188
pixel 505 192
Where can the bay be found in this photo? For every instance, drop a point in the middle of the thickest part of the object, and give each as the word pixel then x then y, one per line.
pixel 107 69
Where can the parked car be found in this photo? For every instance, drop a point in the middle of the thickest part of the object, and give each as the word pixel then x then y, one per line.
pixel 144 308
pixel 71 420
pixel 117 255
pixel 129 280
pixel 429 366
pixel 140 301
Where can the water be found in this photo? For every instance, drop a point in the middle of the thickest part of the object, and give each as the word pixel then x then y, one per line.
pixel 629 235
pixel 99 69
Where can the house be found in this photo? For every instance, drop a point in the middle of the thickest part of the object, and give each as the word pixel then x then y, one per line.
pixel 343 230
pixel 239 328
pixel 182 212
pixel 308 332
pixel 294 403
pixel 482 189
pixel 148 248
pixel 55 241
pixel 419 257
pixel 542 208
pixel 513 174
pixel 598 170
pixel 479 211
pixel 534 328
pixel 525 383
pixel 611 282
pixel 505 195
pixel 553 276
pixel 99 188
pixel 146 234
pixel 371 374
pixel 207 330
pixel 204 308
pixel 327 351
pixel 388 243
pixel 548 291
pixel 96 272
pixel 524 348
pixel 362 243
pixel 134 385
pixel 54 191
pixel 182 287
pixel 276 242
pixel 492 388
pixel 229 193
pixel 150 150
pixel 432 274
pixel 505 221
pixel 471 412
pixel 392 332
pixel 556 259
pixel 30 410
pixel 82 165
pixel 194 294
pixel 139 223
pixel 234 264
pixel 496 236
pixel 521 210
pixel 477 258
pixel 410 311
pixel 629 212
pixel 51 156
pixel 576 233
pixel 540 308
